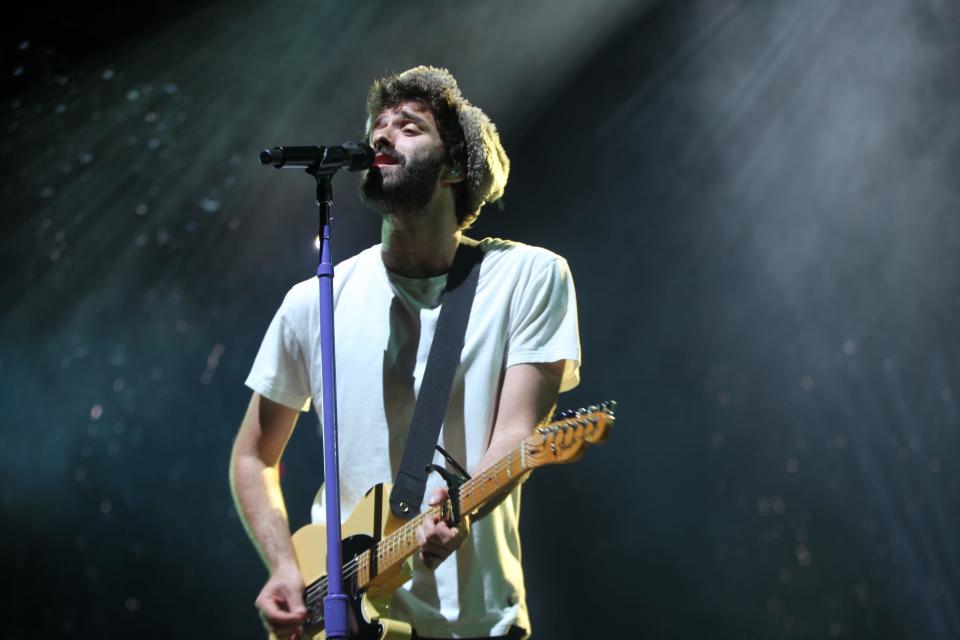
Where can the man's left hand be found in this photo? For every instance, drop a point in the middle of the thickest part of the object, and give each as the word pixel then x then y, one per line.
pixel 438 539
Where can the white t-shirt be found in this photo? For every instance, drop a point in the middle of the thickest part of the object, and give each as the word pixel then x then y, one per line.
pixel 524 312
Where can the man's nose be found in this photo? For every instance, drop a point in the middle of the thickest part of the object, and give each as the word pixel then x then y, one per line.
pixel 382 139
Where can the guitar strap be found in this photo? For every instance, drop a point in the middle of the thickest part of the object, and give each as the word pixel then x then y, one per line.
pixel 434 395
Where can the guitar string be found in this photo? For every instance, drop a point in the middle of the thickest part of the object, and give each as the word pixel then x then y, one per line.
pixel 319 587
pixel 352 566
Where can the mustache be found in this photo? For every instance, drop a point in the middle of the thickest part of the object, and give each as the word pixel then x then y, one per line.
pixel 392 154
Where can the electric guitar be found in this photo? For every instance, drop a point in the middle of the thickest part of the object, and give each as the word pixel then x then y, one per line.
pixel 378 546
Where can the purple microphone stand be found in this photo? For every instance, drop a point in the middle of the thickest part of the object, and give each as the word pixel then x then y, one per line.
pixel 335 603
pixel 322 163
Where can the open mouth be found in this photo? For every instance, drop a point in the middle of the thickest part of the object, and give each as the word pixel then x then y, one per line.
pixel 382 160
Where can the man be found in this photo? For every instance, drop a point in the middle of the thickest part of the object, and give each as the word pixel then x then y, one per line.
pixel 439 160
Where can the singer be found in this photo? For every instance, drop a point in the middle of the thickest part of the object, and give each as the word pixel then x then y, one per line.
pixel 438 161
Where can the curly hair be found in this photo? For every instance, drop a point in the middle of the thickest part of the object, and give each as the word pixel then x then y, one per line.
pixel 470 140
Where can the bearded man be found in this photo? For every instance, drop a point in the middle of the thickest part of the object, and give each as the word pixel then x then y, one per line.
pixel 438 162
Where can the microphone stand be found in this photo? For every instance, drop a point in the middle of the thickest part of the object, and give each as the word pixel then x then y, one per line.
pixel 322 163
pixel 336 601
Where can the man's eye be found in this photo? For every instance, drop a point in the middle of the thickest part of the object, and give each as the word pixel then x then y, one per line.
pixel 411 129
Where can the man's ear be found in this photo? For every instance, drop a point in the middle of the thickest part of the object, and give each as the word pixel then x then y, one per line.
pixel 452 174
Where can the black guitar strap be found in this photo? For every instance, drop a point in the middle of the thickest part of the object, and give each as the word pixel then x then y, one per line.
pixel 434 396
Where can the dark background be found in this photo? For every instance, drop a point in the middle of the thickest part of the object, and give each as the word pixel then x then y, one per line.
pixel 759 204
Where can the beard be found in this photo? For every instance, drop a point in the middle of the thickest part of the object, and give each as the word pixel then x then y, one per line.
pixel 408 187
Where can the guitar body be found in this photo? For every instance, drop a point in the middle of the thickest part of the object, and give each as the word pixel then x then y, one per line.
pixel 369 523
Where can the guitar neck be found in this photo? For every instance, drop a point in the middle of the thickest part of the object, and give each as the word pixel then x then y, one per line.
pixel 475 493
pixel 560 441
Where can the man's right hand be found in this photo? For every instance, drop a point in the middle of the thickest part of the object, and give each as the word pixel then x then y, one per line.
pixel 281 603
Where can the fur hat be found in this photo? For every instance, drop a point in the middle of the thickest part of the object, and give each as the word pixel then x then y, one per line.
pixel 470 138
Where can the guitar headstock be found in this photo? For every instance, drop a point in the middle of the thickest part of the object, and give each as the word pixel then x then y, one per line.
pixel 566 438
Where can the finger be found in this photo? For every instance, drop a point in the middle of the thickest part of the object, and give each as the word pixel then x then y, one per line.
pixel 461 533
pixel 429 526
pixel 442 533
pixel 436 549
pixel 283 607
pixel 285 631
pixel 430 560
pixel 278 617
pixel 293 603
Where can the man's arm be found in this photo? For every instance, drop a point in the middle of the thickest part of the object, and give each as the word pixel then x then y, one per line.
pixel 528 395
pixel 255 481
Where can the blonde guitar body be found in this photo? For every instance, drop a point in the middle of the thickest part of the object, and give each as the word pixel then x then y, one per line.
pixel 369 523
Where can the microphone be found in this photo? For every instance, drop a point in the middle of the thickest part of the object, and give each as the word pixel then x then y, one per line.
pixel 354 156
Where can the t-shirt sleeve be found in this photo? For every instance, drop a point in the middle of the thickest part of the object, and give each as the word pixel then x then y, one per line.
pixel 280 371
pixel 543 324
